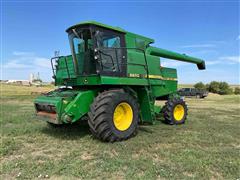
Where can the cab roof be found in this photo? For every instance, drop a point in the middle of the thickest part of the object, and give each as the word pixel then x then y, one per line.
pixel 110 27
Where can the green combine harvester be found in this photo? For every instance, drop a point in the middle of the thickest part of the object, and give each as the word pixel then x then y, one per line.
pixel 113 78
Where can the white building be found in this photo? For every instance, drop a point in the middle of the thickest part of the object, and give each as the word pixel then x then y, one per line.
pixel 21 82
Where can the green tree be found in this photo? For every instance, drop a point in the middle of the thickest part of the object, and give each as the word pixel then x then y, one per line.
pixel 224 88
pixel 200 86
pixel 207 87
pixel 214 87
pixel 237 90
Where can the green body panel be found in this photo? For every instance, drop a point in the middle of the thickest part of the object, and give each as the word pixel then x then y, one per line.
pixel 80 105
pixel 70 105
pixel 98 24
pixel 57 99
pixel 131 39
pixel 132 68
pixel 146 103
pixel 144 75
pixel 56 102
pixel 61 71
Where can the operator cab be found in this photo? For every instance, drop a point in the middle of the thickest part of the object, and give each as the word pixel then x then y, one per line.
pixel 81 44
pixel 97 50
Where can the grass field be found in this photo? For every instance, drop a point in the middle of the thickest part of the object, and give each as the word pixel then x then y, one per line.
pixel 207 146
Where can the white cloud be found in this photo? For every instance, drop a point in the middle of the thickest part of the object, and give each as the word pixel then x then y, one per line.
pixel 238 38
pixel 22 53
pixel 172 63
pixel 233 59
pixel 208 63
pixel 26 60
pixel 199 46
pixel 42 62
pixel 15 64
pixel 217 42
pixel 227 60
pixel 27 63
pixel 204 52
pixel 24 63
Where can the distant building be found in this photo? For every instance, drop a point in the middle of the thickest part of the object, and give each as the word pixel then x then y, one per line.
pixel 33 80
pixel 19 82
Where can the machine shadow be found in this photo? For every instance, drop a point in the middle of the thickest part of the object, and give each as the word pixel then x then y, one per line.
pixel 81 128
pixel 160 119
pixel 68 131
pixel 146 127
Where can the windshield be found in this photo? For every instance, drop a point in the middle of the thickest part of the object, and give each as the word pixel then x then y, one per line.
pixel 82 51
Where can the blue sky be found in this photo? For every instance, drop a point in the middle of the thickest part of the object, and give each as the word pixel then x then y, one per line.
pixel 32 31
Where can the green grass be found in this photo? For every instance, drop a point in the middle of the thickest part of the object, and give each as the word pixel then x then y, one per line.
pixel 207 146
pixel 233 86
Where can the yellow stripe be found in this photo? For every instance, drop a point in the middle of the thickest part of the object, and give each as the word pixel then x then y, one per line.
pixel 154 76
pixel 170 79
pixel 160 77
pixel 151 76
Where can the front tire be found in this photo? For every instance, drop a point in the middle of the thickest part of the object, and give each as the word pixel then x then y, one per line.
pixel 175 111
pixel 114 116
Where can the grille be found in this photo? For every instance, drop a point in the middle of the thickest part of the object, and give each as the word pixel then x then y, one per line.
pixel 45 107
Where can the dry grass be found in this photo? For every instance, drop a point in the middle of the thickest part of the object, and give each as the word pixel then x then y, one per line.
pixel 206 147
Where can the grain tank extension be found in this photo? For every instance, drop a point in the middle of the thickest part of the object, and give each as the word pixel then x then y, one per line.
pixel 112 78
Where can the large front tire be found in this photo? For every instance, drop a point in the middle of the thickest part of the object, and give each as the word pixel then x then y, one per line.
pixel 114 116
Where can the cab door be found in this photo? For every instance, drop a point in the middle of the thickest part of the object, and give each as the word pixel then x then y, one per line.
pixel 111 52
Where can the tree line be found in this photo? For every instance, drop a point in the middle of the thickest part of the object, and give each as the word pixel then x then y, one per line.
pixel 221 88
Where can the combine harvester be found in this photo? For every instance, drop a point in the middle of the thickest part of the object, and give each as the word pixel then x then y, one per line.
pixel 113 77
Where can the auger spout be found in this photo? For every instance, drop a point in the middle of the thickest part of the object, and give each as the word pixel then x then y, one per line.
pixel 176 56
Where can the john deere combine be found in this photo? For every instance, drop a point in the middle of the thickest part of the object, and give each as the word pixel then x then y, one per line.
pixel 113 78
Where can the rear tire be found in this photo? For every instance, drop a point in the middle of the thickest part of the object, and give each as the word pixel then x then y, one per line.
pixel 114 116
pixel 175 111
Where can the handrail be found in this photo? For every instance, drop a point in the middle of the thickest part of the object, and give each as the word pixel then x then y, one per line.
pixel 66 65
pixel 54 75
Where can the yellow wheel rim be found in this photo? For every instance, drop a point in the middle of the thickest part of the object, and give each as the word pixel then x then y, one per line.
pixel 178 112
pixel 123 116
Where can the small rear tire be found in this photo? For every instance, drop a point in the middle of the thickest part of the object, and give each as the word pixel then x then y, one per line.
pixel 175 111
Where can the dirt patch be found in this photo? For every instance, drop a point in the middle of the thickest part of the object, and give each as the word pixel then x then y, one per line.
pixel 86 156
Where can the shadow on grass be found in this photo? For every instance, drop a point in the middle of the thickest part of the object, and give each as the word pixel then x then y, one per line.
pixel 146 126
pixel 80 129
pixel 160 119
pixel 68 131
pixel 145 129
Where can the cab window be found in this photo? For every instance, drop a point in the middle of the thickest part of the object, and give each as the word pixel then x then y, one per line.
pixel 111 55
pixel 111 42
pixel 140 44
